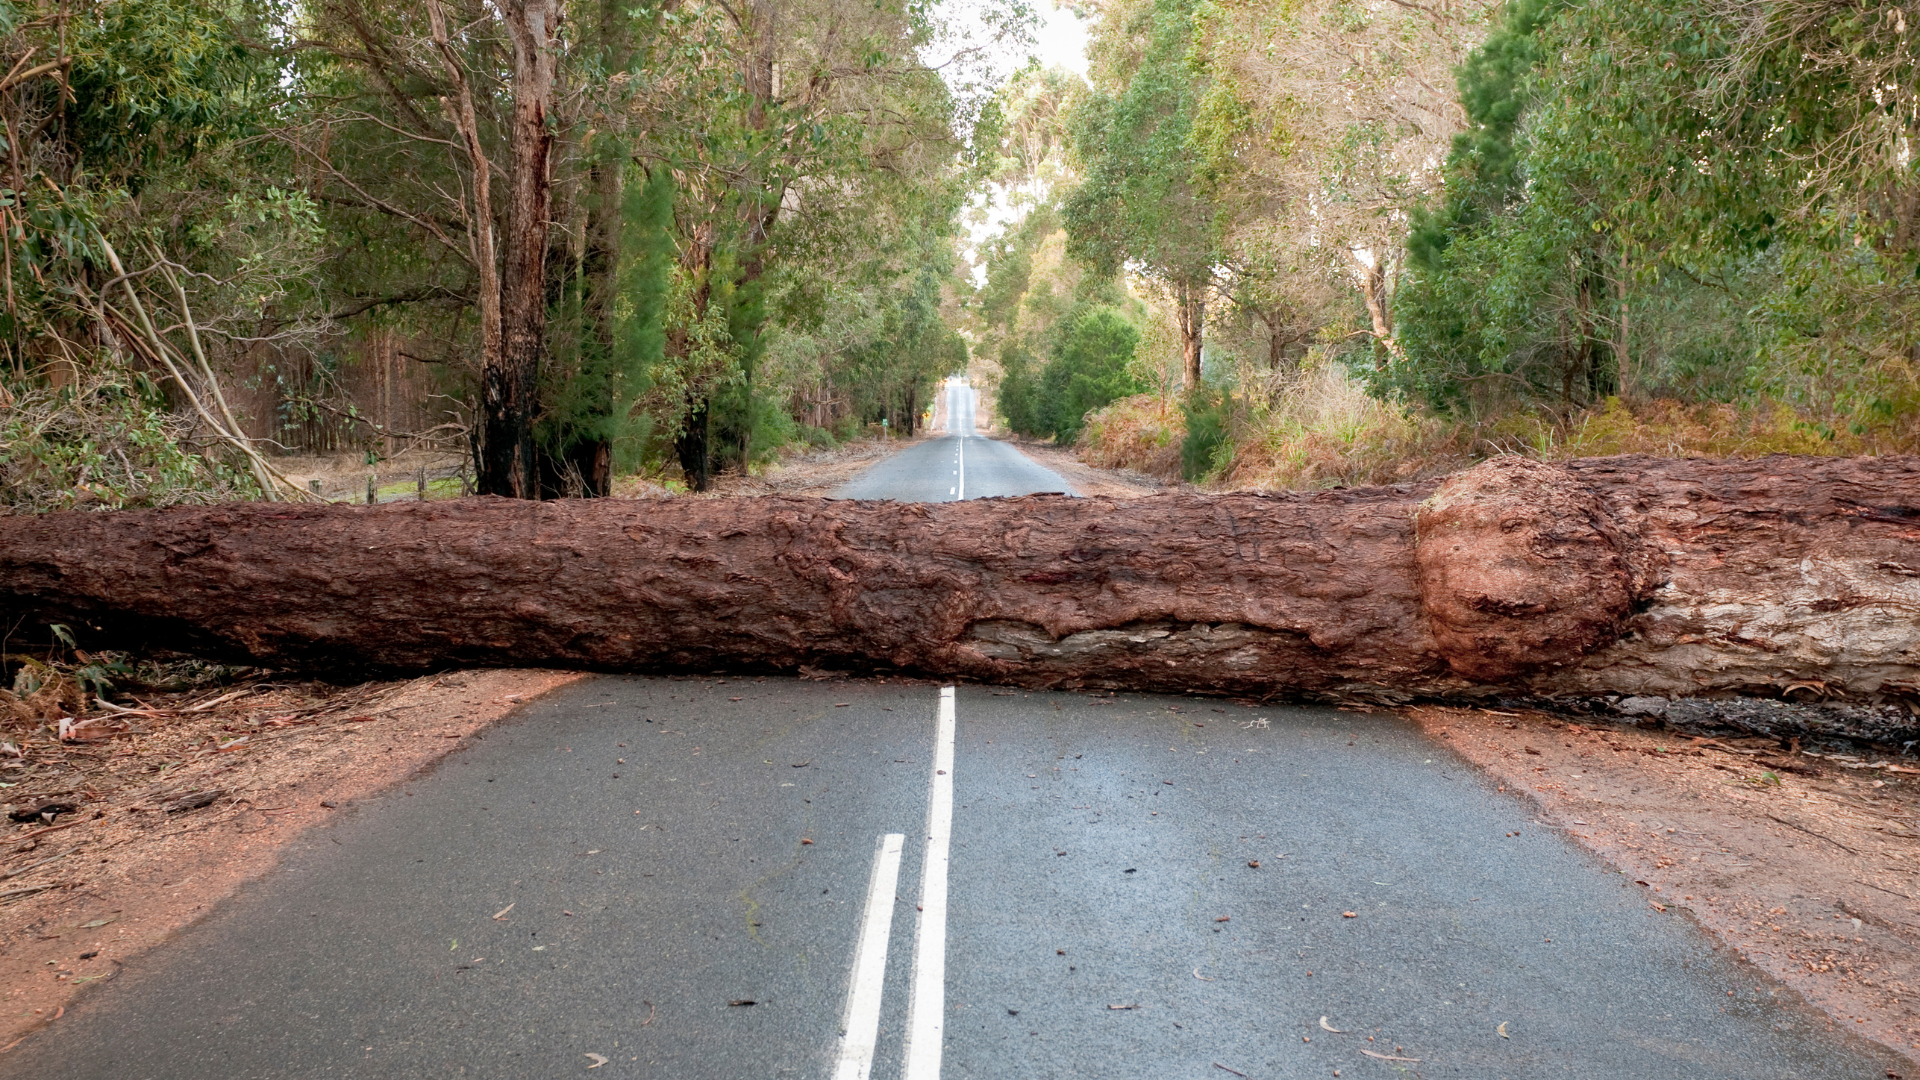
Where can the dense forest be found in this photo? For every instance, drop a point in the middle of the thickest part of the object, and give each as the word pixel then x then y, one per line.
pixel 1365 241
pixel 1255 245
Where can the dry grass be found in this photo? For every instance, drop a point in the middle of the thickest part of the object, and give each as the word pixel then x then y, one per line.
pixel 1324 430
pixel 1141 433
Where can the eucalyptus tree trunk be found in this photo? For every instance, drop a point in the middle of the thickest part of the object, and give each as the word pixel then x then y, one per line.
pixel 510 388
pixel 1628 575
pixel 1190 311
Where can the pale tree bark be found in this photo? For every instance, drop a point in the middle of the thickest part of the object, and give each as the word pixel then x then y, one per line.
pixel 1190 311
pixel 1622 351
pixel 1373 287
pixel 1613 575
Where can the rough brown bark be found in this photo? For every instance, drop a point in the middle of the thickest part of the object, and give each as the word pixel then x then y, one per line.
pixel 1628 575
pixel 480 228
pixel 510 389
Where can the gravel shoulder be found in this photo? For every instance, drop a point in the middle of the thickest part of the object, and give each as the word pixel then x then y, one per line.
pixel 1086 479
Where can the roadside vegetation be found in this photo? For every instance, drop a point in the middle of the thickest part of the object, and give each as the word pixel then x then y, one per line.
pixel 1367 243
pixel 1256 245
pixel 242 230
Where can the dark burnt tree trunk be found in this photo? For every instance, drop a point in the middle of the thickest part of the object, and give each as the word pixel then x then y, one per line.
pixel 1628 575
pixel 510 389
pixel 690 446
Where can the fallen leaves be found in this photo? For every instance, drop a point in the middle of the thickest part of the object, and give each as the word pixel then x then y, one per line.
pixel 1349 914
pixel 1387 1057
pixel 502 913
pixel 597 1059
pixel 1121 1008
pixel 1324 1026
pixel 1502 1029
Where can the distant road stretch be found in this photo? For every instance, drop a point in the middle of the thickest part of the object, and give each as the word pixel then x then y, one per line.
pixel 960 465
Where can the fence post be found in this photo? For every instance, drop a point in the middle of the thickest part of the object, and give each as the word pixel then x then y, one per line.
pixel 372 491
pixel 313 486
pixel 420 483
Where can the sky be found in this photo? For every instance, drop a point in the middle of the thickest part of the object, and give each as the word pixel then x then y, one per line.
pixel 1060 41
pixel 1063 40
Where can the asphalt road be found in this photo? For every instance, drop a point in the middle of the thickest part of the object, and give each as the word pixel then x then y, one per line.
pixel 745 878
pixel 959 465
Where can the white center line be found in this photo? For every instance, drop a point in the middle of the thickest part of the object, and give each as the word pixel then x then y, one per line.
pixel 862 1026
pixel 960 486
pixel 926 1008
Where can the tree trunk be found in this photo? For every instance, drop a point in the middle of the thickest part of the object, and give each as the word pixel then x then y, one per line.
pixel 1190 310
pixel 480 225
pixel 1628 575
pixel 510 390
pixel 1624 383
pixel 690 446
pixel 1373 287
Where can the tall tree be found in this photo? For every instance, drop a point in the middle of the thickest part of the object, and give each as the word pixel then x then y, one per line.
pixel 1320 130
pixel 1138 203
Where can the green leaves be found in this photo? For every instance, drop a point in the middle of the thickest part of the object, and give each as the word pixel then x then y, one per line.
pixel 1138 202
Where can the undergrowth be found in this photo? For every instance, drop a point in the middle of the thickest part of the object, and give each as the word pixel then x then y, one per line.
pixel 1324 430
pixel 107 443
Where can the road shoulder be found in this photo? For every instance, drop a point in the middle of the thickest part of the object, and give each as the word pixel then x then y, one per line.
pixel 135 864
pixel 1086 479
pixel 1808 866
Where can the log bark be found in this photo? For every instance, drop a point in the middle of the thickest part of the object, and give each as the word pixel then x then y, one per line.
pixel 1629 575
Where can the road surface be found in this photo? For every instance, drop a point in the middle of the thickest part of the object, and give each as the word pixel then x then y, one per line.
pixel 959 465
pixel 738 878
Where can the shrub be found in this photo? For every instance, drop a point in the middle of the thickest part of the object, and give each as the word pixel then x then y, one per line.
pixel 1207 445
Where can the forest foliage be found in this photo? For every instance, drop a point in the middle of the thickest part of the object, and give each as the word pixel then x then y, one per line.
pixel 613 237
pixel 1326 241
pixel 1435 232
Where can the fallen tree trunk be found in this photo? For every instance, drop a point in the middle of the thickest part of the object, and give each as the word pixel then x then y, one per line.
pixel 1631 575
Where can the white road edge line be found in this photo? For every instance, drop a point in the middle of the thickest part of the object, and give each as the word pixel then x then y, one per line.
pixel 861 1029
pixel 927 1007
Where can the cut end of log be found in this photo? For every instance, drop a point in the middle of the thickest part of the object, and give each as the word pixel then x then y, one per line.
pixel 1520 567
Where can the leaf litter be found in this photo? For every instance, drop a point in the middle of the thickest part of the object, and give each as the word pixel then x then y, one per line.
pixel 175 784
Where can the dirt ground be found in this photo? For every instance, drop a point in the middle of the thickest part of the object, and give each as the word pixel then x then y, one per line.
pixel 814 472
pixel 1806 860
pixel 1086 479
pixel 174 805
